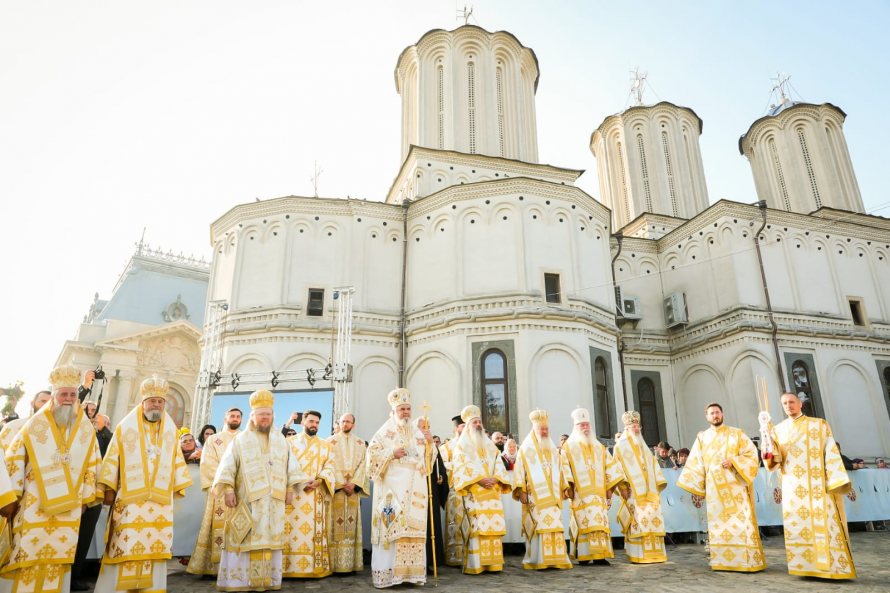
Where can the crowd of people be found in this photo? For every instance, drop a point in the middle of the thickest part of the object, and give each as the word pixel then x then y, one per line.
pixel 287 504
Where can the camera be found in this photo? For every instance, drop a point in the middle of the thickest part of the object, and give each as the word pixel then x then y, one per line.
pixel 99 373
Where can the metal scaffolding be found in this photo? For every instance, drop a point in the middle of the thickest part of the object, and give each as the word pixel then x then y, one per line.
pixel 343 351
pixel 211 358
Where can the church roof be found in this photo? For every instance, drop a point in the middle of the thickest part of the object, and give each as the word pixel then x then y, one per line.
pixel 631 110
pixel 433 32
pixel 779 111
pixel 156 288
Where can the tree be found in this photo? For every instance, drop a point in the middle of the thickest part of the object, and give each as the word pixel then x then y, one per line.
pixel 13 395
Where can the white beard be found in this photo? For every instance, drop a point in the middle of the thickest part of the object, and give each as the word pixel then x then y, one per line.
pixel 402 423
pixel 152 416
pixel 587 439
pixel 64 415
pixel 477 437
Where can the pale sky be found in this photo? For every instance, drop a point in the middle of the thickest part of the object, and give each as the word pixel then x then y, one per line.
pixel 121 115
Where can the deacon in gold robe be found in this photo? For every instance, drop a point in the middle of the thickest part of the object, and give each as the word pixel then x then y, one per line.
pixel 257 478
pixel 206 556
pixel 480 479
pixel 593 474
pixel 306 552
pixel 143 469
pixel 721 467
pixel 814 481
pixel 540 485
pixel 350 487
pixel 454 506
pixel 397 465
pixel 640 513
pixel 52 461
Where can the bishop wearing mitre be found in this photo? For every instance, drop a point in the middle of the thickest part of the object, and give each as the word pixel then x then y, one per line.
pixel 540 485
pixel 142 471
pixel 52 462
pixel 593 474
pixel 257 476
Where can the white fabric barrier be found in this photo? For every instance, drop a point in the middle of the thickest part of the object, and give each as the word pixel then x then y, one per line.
pixel 869 501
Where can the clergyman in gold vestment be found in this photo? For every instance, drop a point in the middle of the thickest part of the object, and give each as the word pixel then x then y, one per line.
pixel 721 467
pixel 350 487
pixel 814 482
pixel 208 547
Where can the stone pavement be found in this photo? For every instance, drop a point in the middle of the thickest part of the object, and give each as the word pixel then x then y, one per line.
pixel 685 572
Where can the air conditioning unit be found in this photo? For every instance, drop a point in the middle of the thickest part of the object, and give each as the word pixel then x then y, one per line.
pixel 675 310
pixel 631 307
pixel 627 307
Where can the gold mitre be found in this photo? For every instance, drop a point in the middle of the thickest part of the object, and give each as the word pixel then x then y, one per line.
pixel 398 397
pixel 64 376
pixel 630 417
pixel 154 386
pixel 262 399
pixel 580 415
pixel 539 418
pixel 469 413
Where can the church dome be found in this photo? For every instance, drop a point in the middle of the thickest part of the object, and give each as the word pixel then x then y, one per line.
pixel 469 90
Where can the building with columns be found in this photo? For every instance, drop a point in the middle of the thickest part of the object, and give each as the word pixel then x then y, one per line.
pixel 150 325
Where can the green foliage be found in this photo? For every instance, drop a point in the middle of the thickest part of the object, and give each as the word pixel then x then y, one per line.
pixel 13 394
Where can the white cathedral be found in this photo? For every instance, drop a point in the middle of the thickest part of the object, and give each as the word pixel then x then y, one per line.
pixel 485 277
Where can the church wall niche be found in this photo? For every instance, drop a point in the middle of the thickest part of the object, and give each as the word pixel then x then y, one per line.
pixel 812 268
pixel 853 410
pixel 699 386
pixel 374 377
pixel 381 270
pixel 560 383
pixel 491 251
pixel 741 407
pixel 434 377
pixel 855 279
pixel 260 270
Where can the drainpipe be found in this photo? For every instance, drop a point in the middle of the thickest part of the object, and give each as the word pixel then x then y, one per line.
pixel 769 307
pixel 618 237
pixel 405 203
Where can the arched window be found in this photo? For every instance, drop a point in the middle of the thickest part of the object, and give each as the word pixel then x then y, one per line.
pixel 175 406
pixel 495 412
pixel 803 387
pixel 648 410
pixel 603 409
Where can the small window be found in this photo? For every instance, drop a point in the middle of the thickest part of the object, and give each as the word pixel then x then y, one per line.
pixel 315 307
pixel 551 288
pixel 857 311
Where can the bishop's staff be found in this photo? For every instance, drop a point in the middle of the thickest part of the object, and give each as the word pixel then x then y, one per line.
pixel 429 486
pixel 764 419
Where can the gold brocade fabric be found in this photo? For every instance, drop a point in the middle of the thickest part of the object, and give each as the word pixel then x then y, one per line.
pixel 592 472
pixel 306 550
pixel 208 546
pixel 472 461
pixel 266 511
pixel 641 518
pixel 349 465
pixel 141 531
pixel 43 543
pixel 813 483
pixel 454 512
pixel 538 473
pixel 733 537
